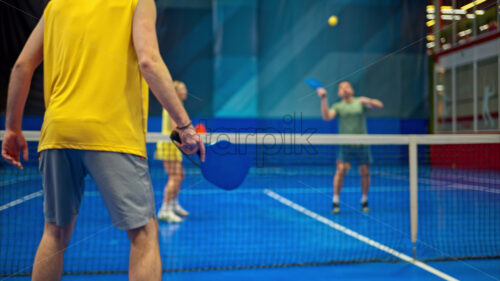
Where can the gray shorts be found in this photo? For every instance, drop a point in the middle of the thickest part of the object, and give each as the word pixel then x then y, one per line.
pixel 122 179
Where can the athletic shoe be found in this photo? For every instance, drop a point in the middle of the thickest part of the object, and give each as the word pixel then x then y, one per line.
pixel 180 211
pixel 336 208
pixel 168 216
pixel 364 207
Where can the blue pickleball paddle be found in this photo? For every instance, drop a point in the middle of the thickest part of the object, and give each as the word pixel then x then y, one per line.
pixel 314 83
pixel 224 165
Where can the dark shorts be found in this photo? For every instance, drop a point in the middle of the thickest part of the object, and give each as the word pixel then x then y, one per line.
pixel 123 181
pixel 355 154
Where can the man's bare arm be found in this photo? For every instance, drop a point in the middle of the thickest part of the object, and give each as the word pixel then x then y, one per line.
pixel 20 78
pixel 326 113
pixel 157 75
pixel 371 103
pixel 151 64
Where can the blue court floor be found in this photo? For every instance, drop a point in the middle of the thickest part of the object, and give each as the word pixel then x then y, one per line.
pixel 474 270
pixel 280 217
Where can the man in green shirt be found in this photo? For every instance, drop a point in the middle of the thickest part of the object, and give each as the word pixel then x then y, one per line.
pixel 352 120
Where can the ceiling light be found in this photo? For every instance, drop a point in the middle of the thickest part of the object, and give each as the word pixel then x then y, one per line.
pixel 465 32
pixel 483 27
pixel 472 4
pixel 452 11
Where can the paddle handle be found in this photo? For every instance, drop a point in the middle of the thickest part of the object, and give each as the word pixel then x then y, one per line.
pixel 176 137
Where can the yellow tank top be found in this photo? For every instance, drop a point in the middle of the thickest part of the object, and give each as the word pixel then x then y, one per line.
pixel 95 95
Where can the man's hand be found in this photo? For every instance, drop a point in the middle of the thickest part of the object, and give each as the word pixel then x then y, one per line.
pixel 191 142
pixel 371 103
pixel 321 92
pixel 13 143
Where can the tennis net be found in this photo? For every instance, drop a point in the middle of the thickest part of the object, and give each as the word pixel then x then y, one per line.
pixel 431 197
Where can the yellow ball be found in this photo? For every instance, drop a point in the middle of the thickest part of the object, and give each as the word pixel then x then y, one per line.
pixel 332 21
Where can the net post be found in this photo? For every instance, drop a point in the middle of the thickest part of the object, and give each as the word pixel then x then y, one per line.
pixel 474 90
pixel 413 164
pixel 453 98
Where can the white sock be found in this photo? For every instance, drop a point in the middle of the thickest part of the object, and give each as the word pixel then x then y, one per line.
pixel 335 199
pixel 364 198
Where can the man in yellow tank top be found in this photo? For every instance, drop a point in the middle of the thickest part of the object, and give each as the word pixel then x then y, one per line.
pixel 98 56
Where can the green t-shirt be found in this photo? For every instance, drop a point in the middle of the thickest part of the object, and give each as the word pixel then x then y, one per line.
pixel 352 119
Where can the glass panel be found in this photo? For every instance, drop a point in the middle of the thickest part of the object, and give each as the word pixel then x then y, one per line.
pixel 487 94
pixel 444 101
pixel 486 13
pixel 464 98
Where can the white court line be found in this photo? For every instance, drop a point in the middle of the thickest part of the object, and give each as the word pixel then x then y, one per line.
pixel 21 200
pixel 357 236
